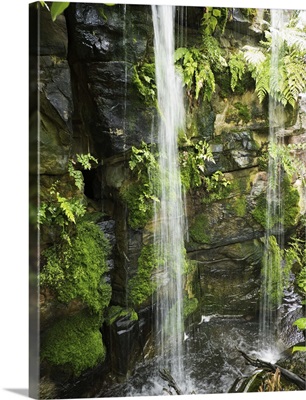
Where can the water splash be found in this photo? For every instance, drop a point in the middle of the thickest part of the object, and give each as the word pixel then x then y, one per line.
pixel 169 218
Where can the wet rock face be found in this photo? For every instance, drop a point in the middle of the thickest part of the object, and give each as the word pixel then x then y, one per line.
pixel 55 94
pixel 238 264
pixel 106 43
pixel 92 104
pixel 128 340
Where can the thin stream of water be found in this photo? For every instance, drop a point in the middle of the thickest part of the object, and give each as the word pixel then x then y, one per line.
pixel 272 287
pixel 169 219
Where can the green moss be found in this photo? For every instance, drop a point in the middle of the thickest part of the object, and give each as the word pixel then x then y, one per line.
pixel 224 82
pixel 144 79
pixel 244 84
pixel 74 343
pixel 290 199
pixel 238 112
pixel 116 312
pixel 217 187
pixel 192 160
pixel 199 228
pixel 240 206
pixel 243 112
pixel 250 13
pixel 141 287
pixel 140 208
pixel 189 305
pixel 141 192
pixel 75 269
pixel 260 211
pixel 272 264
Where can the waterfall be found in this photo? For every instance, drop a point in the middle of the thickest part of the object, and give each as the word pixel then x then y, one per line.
pixel 271 288
pixel 169 217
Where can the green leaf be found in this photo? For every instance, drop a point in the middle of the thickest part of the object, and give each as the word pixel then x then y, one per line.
pixel 57 8
pixel 180 53
pixel 216 12
pixel 44 4
pixel 300 323
pixel 298 348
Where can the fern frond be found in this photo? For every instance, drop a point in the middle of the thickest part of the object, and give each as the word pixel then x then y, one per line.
pixel 180 53
pixel 237 67
pixel 295 78
pixel 294 38
pixel 66 207
pixel 253 55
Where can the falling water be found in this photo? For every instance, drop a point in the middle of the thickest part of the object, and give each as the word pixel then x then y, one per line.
pixel 169 218
pixel 271 289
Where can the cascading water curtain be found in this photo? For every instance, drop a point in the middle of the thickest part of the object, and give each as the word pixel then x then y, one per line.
pixel 271 288
pixel 169 218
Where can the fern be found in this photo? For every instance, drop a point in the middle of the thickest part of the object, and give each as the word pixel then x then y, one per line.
pixel 144 79
pixel 288 79
pixel 72 208
pixel 295 82
pixel 237 66
pixel 195 67
pixel 254 56
pixel 214 20
pixel 85 160
pixel 291 164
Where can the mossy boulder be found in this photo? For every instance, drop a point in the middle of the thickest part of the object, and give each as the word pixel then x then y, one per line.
pixel 141 286
pixel 74 344
pixel 286 214
pixel 75 269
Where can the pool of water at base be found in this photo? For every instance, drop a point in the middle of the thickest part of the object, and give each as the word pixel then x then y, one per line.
pixel 212 361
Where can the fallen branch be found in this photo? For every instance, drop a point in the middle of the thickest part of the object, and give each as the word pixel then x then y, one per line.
pixel 166 376
pixel 290 376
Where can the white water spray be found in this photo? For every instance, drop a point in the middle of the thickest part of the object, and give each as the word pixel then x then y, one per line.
pixel 169 218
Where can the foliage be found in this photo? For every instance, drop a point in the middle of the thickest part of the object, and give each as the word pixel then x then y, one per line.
pixel 287 156
pixel 75 270
pixel 144 79
pixel 61 211
pixel 301 324
pixel 116 312
pixel 249 12
pixel 272 262
pixel 214 20
pixel 196 66
pixel 190 302
pixel 189 305
pixel 301 280
pixel 85 161
pixel 286 80
pixel 141 193
pixel 196 71
pixel 198 230
pixel 295 256
pixel 237 68
pixel 192 159
pixel 216 186
pixel 272 382
pixel 74 343
pixel 289 197
pixel 141 286
pixel 58 8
